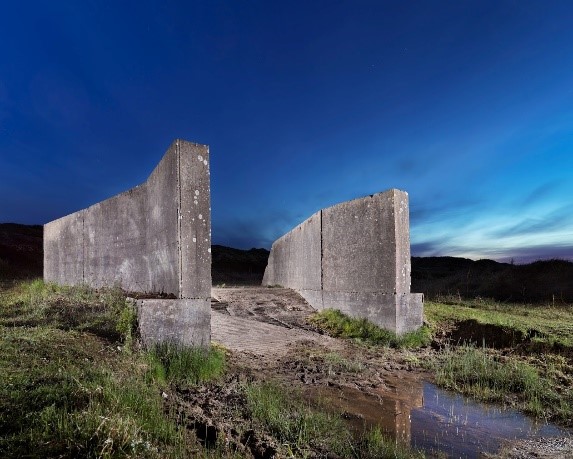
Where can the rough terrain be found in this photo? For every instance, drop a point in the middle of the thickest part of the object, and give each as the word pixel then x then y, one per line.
pixel 268 337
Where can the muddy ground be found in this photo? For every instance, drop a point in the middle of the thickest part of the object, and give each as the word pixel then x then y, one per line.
pixel 268 337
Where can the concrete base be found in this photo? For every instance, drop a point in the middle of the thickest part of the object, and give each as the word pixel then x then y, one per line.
pixel 400 313
pixel 181 322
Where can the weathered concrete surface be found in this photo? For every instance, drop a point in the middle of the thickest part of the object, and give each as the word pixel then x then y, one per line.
pixel 298 255
pixel 181 322
pixel 355 257
pixel 263 321
pixel 64 249
pixel 363 244
pixel 155 238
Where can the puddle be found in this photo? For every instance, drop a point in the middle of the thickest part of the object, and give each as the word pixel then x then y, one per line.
pixel 421 415
pixel 463 428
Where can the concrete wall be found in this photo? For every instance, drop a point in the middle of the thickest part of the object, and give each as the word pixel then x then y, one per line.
pixel 355 257
pixel 153 238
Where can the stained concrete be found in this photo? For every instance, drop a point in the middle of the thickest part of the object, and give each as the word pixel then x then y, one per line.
pixel 180 322
pixel 154 238
pixel 355 257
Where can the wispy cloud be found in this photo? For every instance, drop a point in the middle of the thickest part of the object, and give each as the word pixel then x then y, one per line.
pixel 555 220
pixel 427 249
pixel 529 254
pixel 539 195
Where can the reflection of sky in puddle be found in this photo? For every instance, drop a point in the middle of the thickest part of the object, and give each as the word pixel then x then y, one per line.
pixel 462 429
pixel 428 418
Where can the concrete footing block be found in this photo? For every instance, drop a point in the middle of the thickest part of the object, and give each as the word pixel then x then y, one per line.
pixel 397 312
pixel 185 323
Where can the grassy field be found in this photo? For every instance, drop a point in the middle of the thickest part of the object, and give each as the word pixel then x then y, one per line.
pixel 519 355
pixel 548 324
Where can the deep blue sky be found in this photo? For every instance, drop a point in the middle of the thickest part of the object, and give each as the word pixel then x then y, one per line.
pixel 467 105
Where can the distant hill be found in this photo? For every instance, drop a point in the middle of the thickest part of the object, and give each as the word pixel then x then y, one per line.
pixel 21 256
pixel 545 280
pixel 21 251
pixel 238 267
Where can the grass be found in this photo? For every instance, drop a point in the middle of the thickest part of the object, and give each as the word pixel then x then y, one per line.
pixel 537 377
pixel 337 364
pixel 69 389
pixel 337 324
pixel 534 373
pixel 545 323
pixel 168 363
pixel 489 376
pixel 72 384
pixel 63 394
pixel 294 424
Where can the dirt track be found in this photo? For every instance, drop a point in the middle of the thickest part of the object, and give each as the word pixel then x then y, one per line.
pixel 266 322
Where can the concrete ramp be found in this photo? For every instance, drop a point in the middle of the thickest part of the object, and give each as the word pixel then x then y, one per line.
pixel 154 238
pixel 355 257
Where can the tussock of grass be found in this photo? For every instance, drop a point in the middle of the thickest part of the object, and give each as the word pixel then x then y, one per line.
pixel 375 444
pixel 169 363
pixel 337 324
pixel 337 363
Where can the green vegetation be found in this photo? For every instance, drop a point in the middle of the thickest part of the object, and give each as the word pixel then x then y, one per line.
pixel 299 427
pixel 68 390
pixel 168 363
pixel 543 323
pixel 337 363
pixel 536 376
pixel 286 416
pixel 73 384
pixel 340 325
pixel 36 304
pixel 490 377
pixel 377 445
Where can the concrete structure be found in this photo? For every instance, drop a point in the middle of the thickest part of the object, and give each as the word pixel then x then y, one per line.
pixel 354 257
pixel 154 238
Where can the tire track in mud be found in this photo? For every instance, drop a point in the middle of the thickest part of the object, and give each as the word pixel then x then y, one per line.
pixel 262 321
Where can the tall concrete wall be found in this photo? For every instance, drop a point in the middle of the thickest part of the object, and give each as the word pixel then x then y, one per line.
pixel 154 238
pixel 355 257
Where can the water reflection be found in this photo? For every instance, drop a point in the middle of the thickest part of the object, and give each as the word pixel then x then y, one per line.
pixel 389 408
pixel 419 414
pixel 461 428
